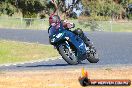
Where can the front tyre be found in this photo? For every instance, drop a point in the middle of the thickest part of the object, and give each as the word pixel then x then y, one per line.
pixel 69 57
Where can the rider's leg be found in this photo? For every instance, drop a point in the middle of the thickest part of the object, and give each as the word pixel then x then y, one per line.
pixel 83 37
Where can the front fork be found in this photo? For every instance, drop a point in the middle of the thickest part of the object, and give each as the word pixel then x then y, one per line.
pixel 68 46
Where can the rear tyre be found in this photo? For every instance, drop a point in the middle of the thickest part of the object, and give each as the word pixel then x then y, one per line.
pixel 70 58
pixel 93 56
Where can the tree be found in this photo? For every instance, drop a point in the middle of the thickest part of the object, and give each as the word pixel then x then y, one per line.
pixel 29 8
pixel 63 9
pixel 7 8
pixel 105 8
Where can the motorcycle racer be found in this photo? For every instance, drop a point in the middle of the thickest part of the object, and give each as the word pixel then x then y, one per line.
pixel 54 22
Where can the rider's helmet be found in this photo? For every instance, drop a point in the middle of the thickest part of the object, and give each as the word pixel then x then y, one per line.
pixel 54 19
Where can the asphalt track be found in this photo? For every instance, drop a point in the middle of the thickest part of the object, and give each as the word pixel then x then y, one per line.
pixel 115 49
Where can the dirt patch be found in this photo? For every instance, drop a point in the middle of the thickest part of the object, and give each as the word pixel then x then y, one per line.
pixel 61 78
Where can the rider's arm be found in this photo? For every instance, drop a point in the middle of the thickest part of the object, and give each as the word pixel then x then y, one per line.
pixel 67 24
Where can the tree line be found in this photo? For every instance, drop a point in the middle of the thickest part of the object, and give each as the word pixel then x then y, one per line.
pixel 117 9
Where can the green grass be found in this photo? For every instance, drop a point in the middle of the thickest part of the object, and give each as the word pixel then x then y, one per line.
pixel 122 27
pixel 18 23
pixel 107 26
pixel 116 26
pixel 38 24
pixel 11 51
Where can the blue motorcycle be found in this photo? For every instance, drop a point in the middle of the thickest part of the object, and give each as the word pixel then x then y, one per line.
pixel 71 46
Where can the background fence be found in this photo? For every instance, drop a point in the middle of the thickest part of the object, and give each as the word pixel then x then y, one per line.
pixel 42 24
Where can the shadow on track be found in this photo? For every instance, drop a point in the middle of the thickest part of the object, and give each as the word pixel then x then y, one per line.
pixel 54 65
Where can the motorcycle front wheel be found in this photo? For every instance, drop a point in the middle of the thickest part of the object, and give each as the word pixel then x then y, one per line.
pixel 67 55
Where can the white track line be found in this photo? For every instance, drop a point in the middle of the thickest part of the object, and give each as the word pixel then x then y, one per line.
pixel 30 62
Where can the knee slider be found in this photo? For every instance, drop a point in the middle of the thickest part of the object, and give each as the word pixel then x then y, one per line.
pixel 78 31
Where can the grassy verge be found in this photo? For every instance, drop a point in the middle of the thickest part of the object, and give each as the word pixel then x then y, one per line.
pixel 18 23
pixel 11 51
pixel 106 26
pixel 39 24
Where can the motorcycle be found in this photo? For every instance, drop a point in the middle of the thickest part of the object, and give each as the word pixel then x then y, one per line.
pixel 71 47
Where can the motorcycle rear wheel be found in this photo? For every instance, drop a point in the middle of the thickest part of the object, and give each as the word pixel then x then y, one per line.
pixel 93 57
pixel 72 60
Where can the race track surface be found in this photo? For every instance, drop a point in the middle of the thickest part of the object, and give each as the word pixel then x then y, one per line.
pixel 115 49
